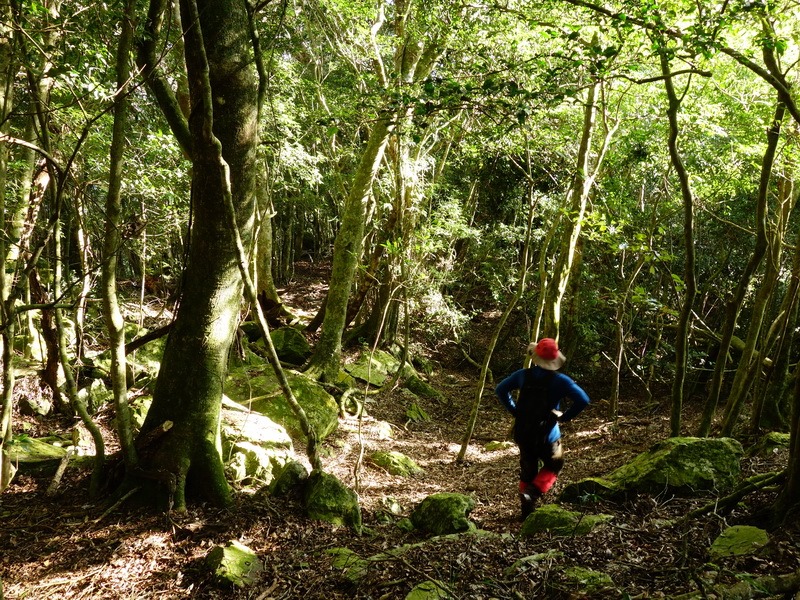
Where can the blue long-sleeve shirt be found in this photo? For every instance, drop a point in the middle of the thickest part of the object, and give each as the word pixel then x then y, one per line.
pixel 561 387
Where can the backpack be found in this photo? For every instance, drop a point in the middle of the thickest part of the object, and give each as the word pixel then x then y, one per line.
pixel 533 408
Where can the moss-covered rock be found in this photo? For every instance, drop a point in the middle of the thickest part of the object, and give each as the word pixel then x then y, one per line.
pixel 287 478
pixel 444 513
pixel 680 466
pixel 328 499
pixel 373 367
pixel 770 444
pixel 532 562
pixel 34 456
pixel 495 445
pixel 254 446
pixel 259 390
pixel 739 540
pixel 558 521
pixel 395 463
pixel 354 568
pixel 291 346
pixel 429 590
pixel 587 581
pixel 234 564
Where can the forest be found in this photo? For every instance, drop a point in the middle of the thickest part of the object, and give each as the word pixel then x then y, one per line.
pixel 261 253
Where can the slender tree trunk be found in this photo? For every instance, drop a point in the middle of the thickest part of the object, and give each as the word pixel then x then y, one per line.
pixel 522 277
pixel 112 243
pixel 734 305
pixel 689 269
pixel 750 360
pixel 223 127
pixel 346 255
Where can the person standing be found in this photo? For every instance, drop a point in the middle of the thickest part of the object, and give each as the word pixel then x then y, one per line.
pixel 537 414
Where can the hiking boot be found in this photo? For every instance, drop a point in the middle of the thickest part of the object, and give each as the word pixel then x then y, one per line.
pixel 527 502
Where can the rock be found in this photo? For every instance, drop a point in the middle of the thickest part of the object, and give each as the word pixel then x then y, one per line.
pixel 421 388
pixel 527 562
pixel 254 446
pixel 680 465
pixel 429 590
pixel 373 368
pixel 770 444
pixel 739 540
pixel 258 389
pixel 444 513
pixel 587 582
pixel 558 521
pixel 353 566
pixel 290 345
pixel 396 463
pixel 328 499
pixel 95 395
pixel 288 477
pixel 35 405
pixel 495 445
pixel 34 456
pixel 235 564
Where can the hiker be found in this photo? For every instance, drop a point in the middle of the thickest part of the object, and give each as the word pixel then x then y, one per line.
pixel 537 413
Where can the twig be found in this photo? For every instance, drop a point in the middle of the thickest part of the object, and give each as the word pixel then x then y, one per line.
pixel 116 505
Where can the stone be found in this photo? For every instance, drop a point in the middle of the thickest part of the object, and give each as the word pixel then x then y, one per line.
pixel 739 540
pixel 254 446
pixel 373 368
pixel 328 499
pixel 494 445
pixel 770 444
pixel 258 389
pixel 444 513
pixel 34 456
pixel 352 565
pixel 553 519
pixel 429 590
pixel 291 346
pixel 288 477
pixel 396 463
pixel 587 581
pixel 235 564
pixel 35 405
pixel 679 465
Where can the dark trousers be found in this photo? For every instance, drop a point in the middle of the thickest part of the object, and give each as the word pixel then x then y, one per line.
pixel 551 456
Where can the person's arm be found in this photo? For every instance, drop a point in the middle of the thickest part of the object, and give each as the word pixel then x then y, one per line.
pixel 505 387
pixel 577 397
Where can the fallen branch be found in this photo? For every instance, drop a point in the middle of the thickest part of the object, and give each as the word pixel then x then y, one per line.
pixel 748 486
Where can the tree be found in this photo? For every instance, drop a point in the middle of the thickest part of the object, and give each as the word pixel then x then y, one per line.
pixel 223 137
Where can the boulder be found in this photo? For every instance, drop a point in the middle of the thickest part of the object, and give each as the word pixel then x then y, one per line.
pixel 290 345
pixel 373 368
pixel 328 499
pixel 739 540
pixel 35 405
pixel 258 389
pixel 234 565
pixel 558 521
pixel 444 513
pixel 95 395
pixel 770 444
pixel 288 477
pixel 395 463
pixel 254 446
pixel 680 465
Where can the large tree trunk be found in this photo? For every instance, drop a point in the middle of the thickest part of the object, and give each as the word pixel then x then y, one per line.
pixel 189 387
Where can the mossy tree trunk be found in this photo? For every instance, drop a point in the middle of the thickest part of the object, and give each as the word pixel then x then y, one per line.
pixel 223 90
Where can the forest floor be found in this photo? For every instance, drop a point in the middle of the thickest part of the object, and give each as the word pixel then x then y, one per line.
pixel 63 546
